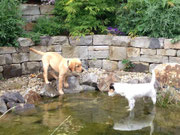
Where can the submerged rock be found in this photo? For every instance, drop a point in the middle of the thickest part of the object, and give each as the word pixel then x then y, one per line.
pixel 3 107
pixel 24 108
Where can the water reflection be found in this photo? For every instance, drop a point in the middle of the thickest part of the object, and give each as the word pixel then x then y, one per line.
pixel 136 121
pixel 93 114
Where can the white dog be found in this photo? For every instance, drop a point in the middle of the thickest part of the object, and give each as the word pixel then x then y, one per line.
pixel 133 91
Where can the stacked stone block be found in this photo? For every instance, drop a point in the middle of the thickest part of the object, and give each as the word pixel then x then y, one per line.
pixel 31 12
pixel 96 51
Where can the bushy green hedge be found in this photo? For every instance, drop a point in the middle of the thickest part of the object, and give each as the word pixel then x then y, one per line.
pixel 10 22
pixel 81 17
pixel 153 18
pixel 48 26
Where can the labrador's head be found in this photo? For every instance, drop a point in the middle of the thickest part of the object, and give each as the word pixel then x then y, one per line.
pixel 75 65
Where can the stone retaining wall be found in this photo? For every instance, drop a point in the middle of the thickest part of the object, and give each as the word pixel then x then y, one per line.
pixel 31 12
pixel 97 51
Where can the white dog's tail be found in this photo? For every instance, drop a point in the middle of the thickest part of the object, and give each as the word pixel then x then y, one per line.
pixel 153 80
pixel 36 51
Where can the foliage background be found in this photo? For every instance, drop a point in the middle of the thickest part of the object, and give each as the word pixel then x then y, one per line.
pixel 10 22
pixel 153 18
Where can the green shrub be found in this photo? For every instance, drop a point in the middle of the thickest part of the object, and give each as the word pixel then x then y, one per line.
pixel 48 26
pixel 35 36
pixel 82 17
pixel 153 18
pixel 128 65
pixel 10 22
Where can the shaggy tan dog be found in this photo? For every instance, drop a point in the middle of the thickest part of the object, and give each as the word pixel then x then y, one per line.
pixel 60 65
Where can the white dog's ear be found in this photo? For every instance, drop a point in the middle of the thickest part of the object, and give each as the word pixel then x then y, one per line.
pixel 72 65
pixel 111 86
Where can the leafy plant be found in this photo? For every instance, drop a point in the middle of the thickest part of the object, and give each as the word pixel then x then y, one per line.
pixel 128 65
pixel 167 97
pixel 82 17
pixel 10 22
pixel 35 36
pixel 153 18
pixel 163 100
pixel 176 39
pixel 48 26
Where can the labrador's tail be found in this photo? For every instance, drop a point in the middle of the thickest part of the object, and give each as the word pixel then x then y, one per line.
pixel 36 51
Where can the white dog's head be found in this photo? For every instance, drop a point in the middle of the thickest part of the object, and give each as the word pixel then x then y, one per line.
pixel 117 88
pixel 111 91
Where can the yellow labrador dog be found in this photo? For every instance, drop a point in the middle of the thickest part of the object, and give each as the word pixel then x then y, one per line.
pixel 61 65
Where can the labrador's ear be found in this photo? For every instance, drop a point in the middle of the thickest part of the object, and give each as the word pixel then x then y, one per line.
pixel 72 65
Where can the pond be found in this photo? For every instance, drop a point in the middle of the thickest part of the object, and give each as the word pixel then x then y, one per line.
pixel 92 113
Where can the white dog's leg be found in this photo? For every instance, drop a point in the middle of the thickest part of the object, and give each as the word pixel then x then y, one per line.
pixel 131 104
pixel 153 97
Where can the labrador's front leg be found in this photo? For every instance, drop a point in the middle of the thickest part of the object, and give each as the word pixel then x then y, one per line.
pixel 60 85
pixel 66 85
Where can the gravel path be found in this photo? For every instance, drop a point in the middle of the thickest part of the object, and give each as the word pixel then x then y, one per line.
pixel 32 82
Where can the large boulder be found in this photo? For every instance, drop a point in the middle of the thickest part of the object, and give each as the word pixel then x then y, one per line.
pixel 168 75
pixel 74 86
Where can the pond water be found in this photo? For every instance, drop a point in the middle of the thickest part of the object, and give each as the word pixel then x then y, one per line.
pixel 92 113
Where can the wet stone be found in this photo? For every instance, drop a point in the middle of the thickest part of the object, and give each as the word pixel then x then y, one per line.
pixel 32 97
pixel 11 104
pixel 24 109
pixel 3 107
pixel 13 97
pixel 74 86
pixel 49 91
